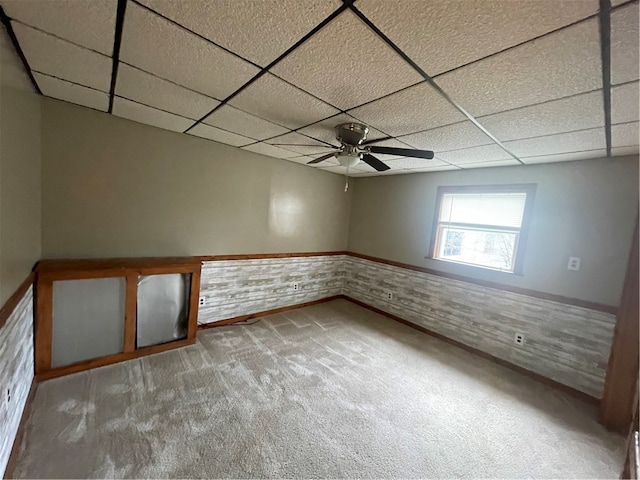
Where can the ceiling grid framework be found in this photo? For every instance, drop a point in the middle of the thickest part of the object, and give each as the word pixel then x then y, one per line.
pixel 476 81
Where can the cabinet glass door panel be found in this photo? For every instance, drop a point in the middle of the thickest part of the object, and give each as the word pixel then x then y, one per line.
pixel 162 308
pixel 87 319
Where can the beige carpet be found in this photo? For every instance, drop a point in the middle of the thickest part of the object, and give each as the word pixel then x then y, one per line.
pixel 331 390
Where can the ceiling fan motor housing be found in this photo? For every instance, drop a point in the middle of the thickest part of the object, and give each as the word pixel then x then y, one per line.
pixel 351 133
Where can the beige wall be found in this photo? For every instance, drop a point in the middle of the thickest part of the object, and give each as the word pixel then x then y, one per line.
pixel 19 174
pixel 112 187
pixel 585 209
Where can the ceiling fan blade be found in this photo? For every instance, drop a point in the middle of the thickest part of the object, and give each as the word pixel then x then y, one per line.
pixel 300 145
pixel 322 158
pixel 376 140
pixel 375 163
pixel 403 152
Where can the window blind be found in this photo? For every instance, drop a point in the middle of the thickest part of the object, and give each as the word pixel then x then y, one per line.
pixel 496 209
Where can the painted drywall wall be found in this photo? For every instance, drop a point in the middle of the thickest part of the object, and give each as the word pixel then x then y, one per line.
pixel 19 173
pixel 584 209
pixel 112 187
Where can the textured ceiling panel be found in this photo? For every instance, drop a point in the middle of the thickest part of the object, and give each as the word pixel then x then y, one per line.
pixel 70 92
pixel 458 135
pixel 225 22
pixel 157 46
pixel 150 116
pixel 494 163
pixel 87 23
pixel 558 65
pixel 218 135
pixel 277 101
pixel 412 110
pixel 243 123
pixel 565 157
pixel 270 150
pixel 325 129
pixel 50 55
pixel 444 34
pixel 302 144
pixel 563 143
pixel 620 151
pixel 433 169
pixel 156 92
pixel 413 163
pixel 487 153
pixel 625 134
pixel 624 44
pixel 346 64
pixel 573 113
pixel 304 159
pixel 624 103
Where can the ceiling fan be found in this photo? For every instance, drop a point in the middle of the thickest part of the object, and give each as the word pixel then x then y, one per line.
pixel 354 148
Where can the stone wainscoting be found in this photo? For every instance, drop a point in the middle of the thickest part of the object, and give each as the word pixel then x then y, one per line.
pixel 566 343
pixel 16 372
pixel 232 288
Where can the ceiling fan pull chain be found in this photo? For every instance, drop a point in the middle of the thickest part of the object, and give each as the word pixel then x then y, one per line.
pixel 346 185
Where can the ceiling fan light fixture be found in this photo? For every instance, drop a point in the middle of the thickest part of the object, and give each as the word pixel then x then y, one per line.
pixel 348 159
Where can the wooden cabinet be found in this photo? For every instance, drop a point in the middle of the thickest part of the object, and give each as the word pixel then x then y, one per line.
pixel 91 313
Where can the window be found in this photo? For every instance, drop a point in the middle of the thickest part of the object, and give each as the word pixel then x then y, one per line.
pixel 484 226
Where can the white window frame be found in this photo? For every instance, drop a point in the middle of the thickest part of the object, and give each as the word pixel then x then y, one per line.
pixel 521 233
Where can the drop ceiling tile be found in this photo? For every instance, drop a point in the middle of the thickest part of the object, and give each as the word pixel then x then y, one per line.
pixel 440 168
pixel 414 163
pixel 150 116
pixel 615 3
pixel 400 171
pixel 145 88
pixel 573 113
pixel 87 23
pixel 325 129
pixel 225 22
pixel 486 153
pixel 444 34
pixel 624 44
pixel 592 139
pixel 70 92
pixel 346 64
pixel 451 137
pixel 244 123
pixel 621 151
pixel 303 145
pixel 277 101
pixel 50 55
pixel 307 158
pixel 157 46
pixel 270 150
pixel 496 163
pixel 624 103
pixel 218 135
pixel 412 110
pixel 625 134
pixel 561 64
pixel 565 157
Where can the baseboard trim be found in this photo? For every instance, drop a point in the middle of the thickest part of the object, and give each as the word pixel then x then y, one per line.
pixel 15 449
pixel 243 318
pixel 535 376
